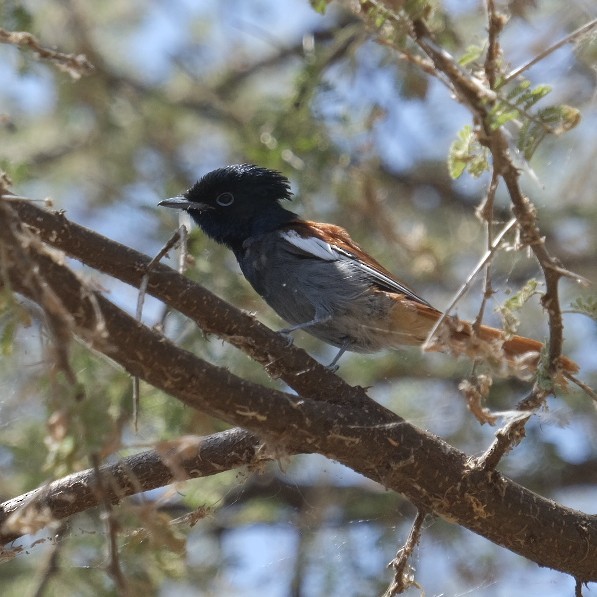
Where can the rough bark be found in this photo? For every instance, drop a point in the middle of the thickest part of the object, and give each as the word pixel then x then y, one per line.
pixel 432 474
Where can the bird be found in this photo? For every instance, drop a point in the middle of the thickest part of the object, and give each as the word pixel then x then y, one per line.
pixel 318 279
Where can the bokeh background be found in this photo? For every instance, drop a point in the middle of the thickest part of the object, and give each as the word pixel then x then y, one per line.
pixel 182 87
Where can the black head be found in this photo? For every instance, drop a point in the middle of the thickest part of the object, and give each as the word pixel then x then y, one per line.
pixel 234 203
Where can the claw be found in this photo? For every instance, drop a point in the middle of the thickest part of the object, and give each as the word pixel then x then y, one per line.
pixel 286 334
pixel 333 367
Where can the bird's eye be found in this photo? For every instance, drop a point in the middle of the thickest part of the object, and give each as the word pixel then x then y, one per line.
pixel 225 199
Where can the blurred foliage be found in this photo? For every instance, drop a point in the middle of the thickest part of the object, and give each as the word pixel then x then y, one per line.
pixel 467 154
pixel 369 142
pixel 512 306
pixel 586 305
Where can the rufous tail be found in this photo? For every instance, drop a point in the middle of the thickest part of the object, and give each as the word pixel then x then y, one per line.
pixel 411 322
pixel 519 346
pixel 521 353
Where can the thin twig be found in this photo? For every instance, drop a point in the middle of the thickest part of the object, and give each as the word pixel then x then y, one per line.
pixel 583 386
pixel 404 579
pixel 525 214
pixel 477 387
pixel 577 587
pixel 505 439
pixel 468 89
pixel 513 432
pixel 566 273
pixel 479 100
pixel 495 24
pixel 51 568
pixel 184 249
pixel 114 568
pixel 583 30
pixel 76 65
pixel 485 211
pixel 11 197
pixel 175 238
pixel 484 260
pixel 533 400
pixel 425 65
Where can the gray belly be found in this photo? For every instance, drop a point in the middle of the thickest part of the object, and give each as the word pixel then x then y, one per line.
pixel 301 288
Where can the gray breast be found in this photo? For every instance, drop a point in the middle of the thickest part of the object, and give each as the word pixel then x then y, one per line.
pixel 300 287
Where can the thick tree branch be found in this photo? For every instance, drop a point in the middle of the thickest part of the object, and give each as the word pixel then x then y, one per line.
pixel 433 475
pixel 187 458
pixel 293 365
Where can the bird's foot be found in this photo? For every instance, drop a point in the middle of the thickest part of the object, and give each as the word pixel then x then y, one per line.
pixel 333 367
pixel 286 333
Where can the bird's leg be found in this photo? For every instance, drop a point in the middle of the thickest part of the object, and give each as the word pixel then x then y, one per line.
pixel 307 324
pixel 333 367
pixel 301 326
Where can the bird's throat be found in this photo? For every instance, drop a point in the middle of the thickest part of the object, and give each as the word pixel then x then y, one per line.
pixel 233 230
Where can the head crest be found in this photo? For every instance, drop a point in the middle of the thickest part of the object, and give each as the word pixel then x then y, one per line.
pixel 252 179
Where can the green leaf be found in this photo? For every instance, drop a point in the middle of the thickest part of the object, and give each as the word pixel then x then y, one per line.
pixel 529 98
pixel 553 120
pixel 466 153
pixel 502 115
pixel 509 310
pixel 517 90
pixel 471 54
pixel 562 118
pixel 417 9
pixel 586 305
pixel 380 19
pixel 319 6
pixel 517 301
pixel 520 99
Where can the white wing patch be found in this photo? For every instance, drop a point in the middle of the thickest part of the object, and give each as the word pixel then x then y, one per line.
pixel 322 250
pixel 312 245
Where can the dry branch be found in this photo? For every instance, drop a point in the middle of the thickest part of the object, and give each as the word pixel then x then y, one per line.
pixel 433 475
pixel 76 65
pixel 187 458
pixel 288 363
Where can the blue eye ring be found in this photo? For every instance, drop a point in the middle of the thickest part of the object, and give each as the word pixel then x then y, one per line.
pixel 225 199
